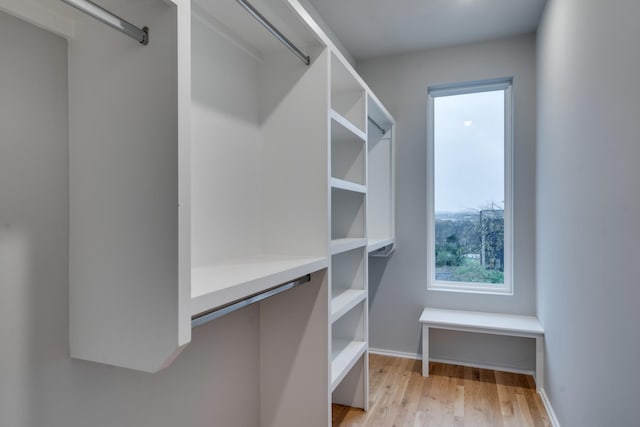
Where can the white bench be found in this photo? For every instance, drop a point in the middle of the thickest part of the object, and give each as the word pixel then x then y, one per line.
pixel 486 323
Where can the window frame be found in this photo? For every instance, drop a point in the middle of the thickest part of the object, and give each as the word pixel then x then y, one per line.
pixel 433 92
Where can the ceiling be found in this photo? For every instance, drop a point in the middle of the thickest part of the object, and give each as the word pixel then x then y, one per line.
pixel 370 28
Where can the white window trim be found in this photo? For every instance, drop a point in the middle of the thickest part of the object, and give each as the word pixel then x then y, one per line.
pixel 483 288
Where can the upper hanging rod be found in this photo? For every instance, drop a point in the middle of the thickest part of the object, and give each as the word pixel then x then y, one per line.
pixel 202 318
pixel 103 15
pixel 380 128
pixel 273 30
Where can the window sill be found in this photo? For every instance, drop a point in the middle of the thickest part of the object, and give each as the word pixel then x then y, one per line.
pixel 470 289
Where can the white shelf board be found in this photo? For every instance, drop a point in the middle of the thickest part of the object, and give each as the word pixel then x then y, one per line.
pixel 216 285
pixel 480 320
pixel 375 244
pixel 348 185
pixel 344 301
pixel 343 360
pixel 346 129
pixel 343 245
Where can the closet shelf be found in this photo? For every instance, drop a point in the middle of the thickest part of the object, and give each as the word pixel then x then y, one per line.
pixel 343 358
pixel 348 185
pixel 375 244
pixel 346 129
pixel 343 245
pixel 216 285
pixel 344 301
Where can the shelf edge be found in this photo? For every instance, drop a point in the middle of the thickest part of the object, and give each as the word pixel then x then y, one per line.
pixel 346 123
pixel 353 358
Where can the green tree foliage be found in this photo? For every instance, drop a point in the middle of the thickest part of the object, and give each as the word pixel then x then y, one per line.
pixel 450 252
pixel 470 245
pixel 492 239
pixel 471 271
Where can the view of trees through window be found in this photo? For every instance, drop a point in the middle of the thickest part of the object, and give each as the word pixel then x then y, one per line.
pixel 469 187
pixel 470 246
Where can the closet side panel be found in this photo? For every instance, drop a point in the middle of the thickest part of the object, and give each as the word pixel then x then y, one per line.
pixel 33 212
pixel 124 285
pixel 225 148
pixel 380 191
pixel 295 168
pixel 294 359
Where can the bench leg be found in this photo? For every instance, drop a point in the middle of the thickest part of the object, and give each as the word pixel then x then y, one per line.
pixel 425 351
pixel 539 362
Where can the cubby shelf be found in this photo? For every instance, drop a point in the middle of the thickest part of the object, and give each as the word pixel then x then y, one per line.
pixel 342 245
pixel 348 185
pixel 348 214
pixel 375 244
pixel 217 285
pixel 343 358
pixel 344 301
pixel 346 129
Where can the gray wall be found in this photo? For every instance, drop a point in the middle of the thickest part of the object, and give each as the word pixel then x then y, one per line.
pixel 213 382
pixel 588 207
pixel 399 287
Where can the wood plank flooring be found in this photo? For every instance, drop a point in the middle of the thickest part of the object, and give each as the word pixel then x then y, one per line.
pixel 451 396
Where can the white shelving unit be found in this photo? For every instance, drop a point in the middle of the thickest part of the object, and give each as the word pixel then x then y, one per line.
pixel 348 209
pixel 212 165
pixel 348 281
pixel 218 285
pixel 346 244
pixel 348 187
pixel 341 184
pixel 349 350
pixel 247 222
pixel 343 302
pixel 346 353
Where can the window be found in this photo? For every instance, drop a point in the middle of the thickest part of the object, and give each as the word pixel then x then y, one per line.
pixel 469 187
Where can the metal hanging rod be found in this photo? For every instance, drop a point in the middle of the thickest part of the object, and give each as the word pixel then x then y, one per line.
pixel 384 251
pixel 380 128
pixel 273 30
pixel 114 21
pixel 208 316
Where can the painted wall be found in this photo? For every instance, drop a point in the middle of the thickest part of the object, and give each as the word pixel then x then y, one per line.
pixel 398 287
pixel 213 382
pixel 588 206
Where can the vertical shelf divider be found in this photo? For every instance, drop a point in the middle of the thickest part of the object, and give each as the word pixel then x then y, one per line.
pixel 348 231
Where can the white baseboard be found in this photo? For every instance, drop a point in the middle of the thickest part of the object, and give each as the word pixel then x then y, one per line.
pixel 415 356
pixel 483 366
pixel 547 405
pixel 393 353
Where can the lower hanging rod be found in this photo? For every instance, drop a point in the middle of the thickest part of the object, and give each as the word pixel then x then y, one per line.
pixel 380 128
pixel 114 21
pixel 273 30
pixel 208 316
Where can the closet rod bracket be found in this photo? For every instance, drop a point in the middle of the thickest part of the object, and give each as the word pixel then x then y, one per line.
pixel 145 38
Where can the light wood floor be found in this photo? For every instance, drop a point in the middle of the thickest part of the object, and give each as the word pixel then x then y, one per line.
pixel 451 396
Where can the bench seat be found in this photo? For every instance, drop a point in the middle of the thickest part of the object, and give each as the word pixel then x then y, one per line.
pixel 481 322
